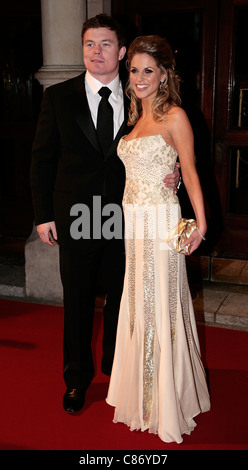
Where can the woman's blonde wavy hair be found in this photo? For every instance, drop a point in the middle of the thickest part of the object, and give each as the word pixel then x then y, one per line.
pixel 168 93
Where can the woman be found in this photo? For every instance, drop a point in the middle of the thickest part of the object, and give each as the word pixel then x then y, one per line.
pixel 158 380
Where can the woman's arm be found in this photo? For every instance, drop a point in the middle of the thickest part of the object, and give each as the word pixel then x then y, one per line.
pixel 183 140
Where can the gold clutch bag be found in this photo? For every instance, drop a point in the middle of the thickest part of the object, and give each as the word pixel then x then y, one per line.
pixel 180 234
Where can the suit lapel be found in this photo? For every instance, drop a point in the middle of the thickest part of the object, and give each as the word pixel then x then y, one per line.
pixel 83 117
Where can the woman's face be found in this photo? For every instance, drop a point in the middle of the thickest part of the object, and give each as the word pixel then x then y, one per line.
pixel 145 76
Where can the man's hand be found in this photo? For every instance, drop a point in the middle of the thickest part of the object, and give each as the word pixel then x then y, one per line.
pixel 48 233
pixel 172 180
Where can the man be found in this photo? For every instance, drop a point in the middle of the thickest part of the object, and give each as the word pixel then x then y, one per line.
pixel 70 167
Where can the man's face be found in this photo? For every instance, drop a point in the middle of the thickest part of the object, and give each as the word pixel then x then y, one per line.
pixel 102 54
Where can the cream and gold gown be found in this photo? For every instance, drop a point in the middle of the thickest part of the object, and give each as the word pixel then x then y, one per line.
pixel 158 381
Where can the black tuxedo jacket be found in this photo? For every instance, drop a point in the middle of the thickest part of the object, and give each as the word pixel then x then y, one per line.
pixel 68 166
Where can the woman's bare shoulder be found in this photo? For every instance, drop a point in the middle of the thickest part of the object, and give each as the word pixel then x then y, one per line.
pixel 177 118
pixel 177 112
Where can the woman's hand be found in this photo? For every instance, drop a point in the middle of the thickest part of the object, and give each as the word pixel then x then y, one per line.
pixel 194 241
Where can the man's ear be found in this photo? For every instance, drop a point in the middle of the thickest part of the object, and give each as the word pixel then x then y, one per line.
pixel 122 52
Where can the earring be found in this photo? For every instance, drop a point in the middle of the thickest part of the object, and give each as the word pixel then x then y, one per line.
pixel 163 86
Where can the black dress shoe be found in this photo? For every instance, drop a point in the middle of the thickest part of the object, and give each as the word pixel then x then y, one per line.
pixel 73 400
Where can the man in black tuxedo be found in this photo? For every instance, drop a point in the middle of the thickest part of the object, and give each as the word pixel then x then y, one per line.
pixel 70 167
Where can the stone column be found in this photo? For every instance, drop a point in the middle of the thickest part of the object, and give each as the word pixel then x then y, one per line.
pixel 62 22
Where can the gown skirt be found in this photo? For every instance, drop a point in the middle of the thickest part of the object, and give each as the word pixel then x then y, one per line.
pixel 158 381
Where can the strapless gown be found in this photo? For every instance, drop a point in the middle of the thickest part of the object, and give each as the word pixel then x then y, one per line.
pixel 158 381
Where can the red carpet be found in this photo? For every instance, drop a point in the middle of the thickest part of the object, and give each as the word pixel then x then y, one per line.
pixel 31 413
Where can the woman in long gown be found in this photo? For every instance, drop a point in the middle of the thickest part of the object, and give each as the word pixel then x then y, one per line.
pixel 158 381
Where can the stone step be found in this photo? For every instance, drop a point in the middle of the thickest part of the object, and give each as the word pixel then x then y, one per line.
pixel 12 280
pixel 222 307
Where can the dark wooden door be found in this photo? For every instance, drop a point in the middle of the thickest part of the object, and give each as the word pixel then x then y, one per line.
pixel 191 28
pixel 231 126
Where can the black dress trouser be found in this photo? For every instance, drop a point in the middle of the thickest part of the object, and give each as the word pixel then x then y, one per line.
pixel 79 273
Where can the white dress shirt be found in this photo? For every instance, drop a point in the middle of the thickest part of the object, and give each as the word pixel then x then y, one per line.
pixel 92 86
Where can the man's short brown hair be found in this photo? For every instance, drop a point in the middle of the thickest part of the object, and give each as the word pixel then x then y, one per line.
pixel 105 21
